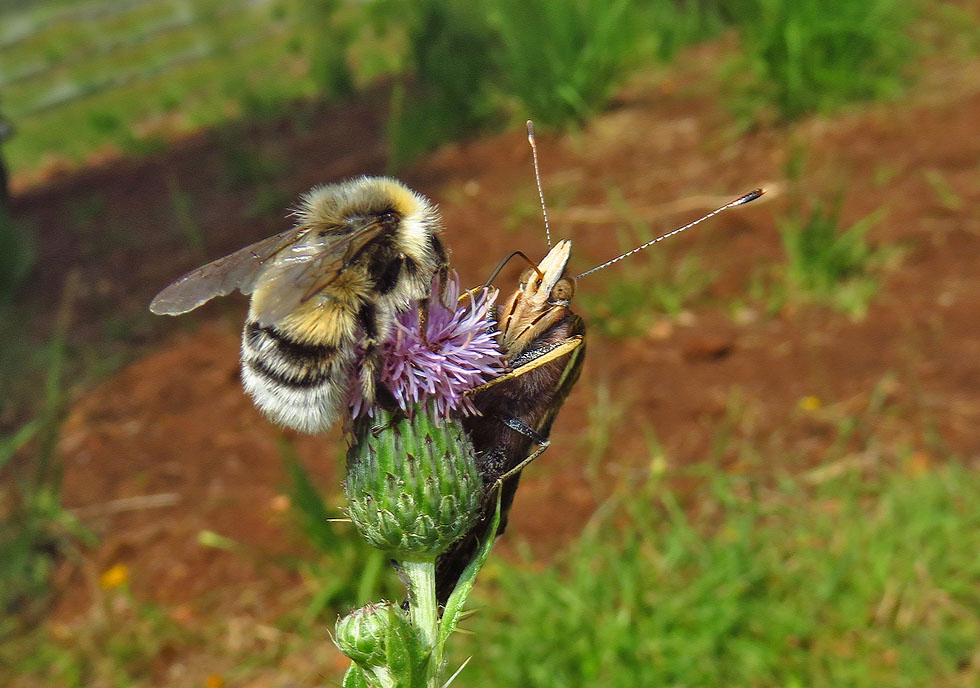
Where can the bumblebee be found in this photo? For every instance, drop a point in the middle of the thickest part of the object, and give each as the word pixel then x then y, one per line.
pixel 324 295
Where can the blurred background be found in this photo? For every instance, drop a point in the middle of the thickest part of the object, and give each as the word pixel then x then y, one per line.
pixel 767 475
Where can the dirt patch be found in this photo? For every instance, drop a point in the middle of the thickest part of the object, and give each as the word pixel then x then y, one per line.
pixel 176 427
pixel 176 422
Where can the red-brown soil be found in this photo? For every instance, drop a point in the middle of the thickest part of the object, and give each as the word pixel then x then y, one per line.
pixel 176 422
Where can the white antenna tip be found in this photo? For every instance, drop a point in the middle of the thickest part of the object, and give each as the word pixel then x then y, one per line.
pixel 537 179
pixel 753 195
pixel 741 200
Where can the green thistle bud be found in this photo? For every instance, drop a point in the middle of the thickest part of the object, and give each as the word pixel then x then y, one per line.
pixel 412 484
pixel 384 646
pixel 361 634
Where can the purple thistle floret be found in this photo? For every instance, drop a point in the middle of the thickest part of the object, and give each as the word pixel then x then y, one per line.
pixel 460 353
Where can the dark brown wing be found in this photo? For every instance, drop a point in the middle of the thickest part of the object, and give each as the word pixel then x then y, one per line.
pixel 305 268
pixel 239 270
pixel 289 268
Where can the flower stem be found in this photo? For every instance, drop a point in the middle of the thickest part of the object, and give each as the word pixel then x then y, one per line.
pixel 424 610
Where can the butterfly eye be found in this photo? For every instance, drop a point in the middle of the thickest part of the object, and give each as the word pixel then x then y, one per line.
pixel 563 291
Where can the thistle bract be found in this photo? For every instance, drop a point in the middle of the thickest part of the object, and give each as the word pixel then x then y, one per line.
pixel 412 484
pixel 361 634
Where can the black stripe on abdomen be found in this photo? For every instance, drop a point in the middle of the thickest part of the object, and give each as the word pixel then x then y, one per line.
pixel 279 360
pixel 258 338
pixel 294 379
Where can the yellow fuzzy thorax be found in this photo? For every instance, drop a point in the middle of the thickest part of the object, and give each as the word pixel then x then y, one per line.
pixel 329 318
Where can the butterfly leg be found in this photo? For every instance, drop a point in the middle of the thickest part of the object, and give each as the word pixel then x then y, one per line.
pixel 544 444
pixel 558 351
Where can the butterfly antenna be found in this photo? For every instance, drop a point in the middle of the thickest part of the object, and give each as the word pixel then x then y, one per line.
pixel 503 264
pixel 741 200
pixel 537 178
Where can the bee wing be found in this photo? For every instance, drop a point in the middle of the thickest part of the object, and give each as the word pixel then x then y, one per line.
pixel 239 270
pixel 307 267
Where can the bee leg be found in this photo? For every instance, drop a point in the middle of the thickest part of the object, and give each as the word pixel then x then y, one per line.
pixel 442 280
pixel 373 388
pixel 368 318
pixel 369 371
pixel 386 400
pixel 423 320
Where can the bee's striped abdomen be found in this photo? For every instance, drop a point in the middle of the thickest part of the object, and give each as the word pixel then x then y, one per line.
pixel 301 386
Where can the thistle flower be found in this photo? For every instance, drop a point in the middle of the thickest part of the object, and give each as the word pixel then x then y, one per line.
pixel 412 484
pixel 457 353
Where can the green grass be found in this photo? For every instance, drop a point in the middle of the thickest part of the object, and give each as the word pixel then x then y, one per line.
pixel 659 286
pixel 859 581
pixel 945 194
pixel 123 642
pixel 119 82
pixel 35 531
pixel 674 25
pixel 16 257
pixel 118 645
pixel 854 577
pixel 562 60
pixel 127 80
pixel 803 56
pixel 324 37
pixel 450 48
pixel 828 263
pixel 556 62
